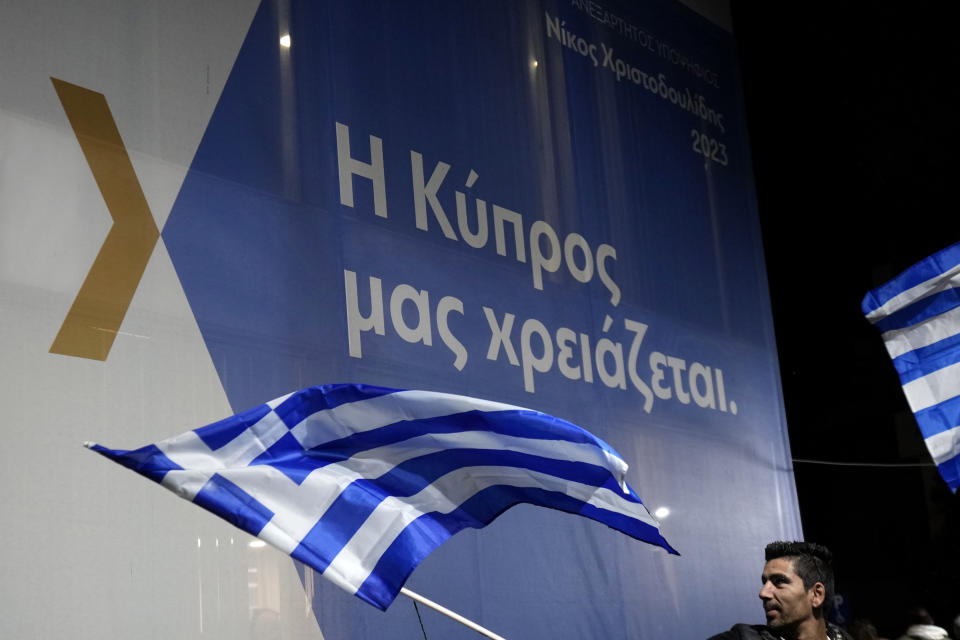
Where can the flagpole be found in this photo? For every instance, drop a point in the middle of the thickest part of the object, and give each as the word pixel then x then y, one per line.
pixel 456 616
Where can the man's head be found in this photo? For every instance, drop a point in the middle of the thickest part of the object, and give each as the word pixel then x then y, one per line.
pixel 797 584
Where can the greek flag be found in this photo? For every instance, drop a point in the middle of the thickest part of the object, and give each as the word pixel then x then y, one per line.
pixel 362 483
pixel 918 313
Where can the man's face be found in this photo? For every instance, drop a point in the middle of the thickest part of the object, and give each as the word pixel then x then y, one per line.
pixel 785 601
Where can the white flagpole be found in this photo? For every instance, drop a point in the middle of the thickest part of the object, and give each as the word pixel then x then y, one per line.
pixel 456 616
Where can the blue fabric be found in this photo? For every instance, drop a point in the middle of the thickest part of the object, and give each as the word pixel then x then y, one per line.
pixel 313 399
pixel 919 362
pixel 940 417
pixel 289 457
pixel 920 310
pixel 924 270
pixel 375 468
pixel 148 461
pixel 356 503
pixel 233 504
pixel 914 365
pixel 508 423
pixel 950 470
pixel 221 433
pixel 431 530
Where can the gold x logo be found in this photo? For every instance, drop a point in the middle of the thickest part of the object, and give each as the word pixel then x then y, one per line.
pixel 94 319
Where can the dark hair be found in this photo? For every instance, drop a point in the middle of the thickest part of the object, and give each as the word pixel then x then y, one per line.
pixel 811 561
pixel 918 615
pixel 863 629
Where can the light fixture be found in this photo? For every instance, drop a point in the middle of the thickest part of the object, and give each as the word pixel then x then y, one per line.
pixel 661 512
pixel 256 544
pixel 285 40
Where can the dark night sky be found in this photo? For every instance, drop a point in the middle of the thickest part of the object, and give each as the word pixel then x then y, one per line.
pixel 852 111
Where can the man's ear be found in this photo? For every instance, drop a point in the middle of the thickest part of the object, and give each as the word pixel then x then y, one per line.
pixel 818 593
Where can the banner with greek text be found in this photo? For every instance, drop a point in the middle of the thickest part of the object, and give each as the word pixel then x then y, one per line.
pixel 542 203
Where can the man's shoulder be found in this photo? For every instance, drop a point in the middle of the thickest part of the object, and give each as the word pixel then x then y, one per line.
pixel 836 633
pixel 760 632
pixel 744 632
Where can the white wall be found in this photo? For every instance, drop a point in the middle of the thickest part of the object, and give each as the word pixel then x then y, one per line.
pixel 83 554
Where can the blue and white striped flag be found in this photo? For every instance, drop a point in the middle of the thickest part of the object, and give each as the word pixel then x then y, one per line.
pixel 918 313
pixel 361 483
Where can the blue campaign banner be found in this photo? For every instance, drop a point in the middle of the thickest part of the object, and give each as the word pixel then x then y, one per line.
pixel 543 203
